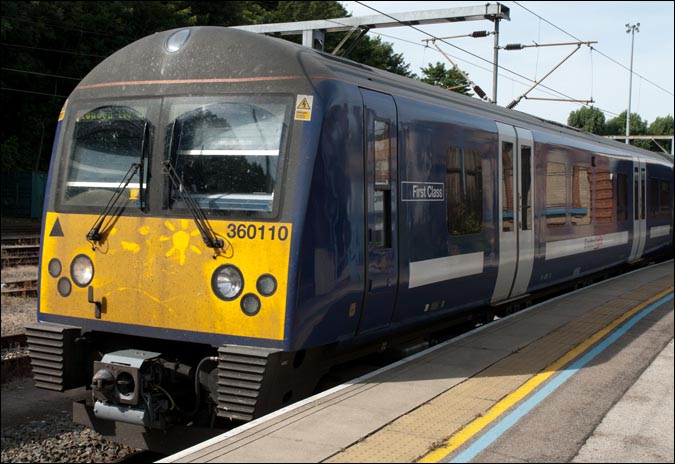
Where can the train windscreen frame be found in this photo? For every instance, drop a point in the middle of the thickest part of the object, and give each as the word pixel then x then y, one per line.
pixel 228 151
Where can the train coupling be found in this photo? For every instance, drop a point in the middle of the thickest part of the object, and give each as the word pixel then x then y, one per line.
pixel 126 387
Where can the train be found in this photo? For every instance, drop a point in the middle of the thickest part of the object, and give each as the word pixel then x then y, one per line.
pixel 230 215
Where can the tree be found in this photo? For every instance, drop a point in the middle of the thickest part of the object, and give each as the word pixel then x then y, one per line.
pixel 589 119
pixel 369 51
pixel 617 126
pixel 378 54
pixel 450 79
pixel 662 126
pixel 48 47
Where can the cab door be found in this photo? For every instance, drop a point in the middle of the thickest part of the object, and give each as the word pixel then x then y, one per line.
pixel 381 161
pixel 516 212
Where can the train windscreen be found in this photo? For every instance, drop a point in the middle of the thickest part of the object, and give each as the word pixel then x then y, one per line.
pixel 227 154
pixel 107 142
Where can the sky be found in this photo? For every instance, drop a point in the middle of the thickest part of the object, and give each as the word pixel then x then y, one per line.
pixel 601 74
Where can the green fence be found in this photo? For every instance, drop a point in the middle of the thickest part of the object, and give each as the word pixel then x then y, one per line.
pixel 23 193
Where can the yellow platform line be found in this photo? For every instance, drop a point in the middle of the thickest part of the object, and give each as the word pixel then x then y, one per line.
pixel 465 434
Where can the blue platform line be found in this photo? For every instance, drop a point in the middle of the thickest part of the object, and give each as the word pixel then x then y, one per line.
pixel 502 426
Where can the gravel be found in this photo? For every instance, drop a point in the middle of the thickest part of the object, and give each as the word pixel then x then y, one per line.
pixel 57 439
pixel 17 312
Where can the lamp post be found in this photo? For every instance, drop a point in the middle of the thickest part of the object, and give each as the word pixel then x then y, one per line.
pixel 632 30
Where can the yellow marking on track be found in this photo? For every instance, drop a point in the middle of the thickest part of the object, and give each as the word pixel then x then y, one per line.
pixel 465 434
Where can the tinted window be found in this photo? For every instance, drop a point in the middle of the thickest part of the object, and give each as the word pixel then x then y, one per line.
pixel 581 196
pixel 107 142
pixel 556 195
pixel 464 184
pixel 227 154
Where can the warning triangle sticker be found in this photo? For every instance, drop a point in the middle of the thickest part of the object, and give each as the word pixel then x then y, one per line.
pixel 57 231
pixel 304 105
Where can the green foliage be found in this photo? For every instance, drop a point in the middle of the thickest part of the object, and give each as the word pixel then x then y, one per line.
pixel 662 126
pixel 450 79
pixel 370 51
pixel 617 126
pixel 589 119
pixel 378 54
pixel 290 11
pixel 50 46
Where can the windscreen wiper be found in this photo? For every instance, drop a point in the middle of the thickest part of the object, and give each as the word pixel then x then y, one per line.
pixel 95 234
pixel 208 235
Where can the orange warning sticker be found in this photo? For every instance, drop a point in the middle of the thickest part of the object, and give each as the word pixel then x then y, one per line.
pixel 303 107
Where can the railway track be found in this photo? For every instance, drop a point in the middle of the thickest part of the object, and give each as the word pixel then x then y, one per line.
pixel 11 239
pixel 17 254
pixel 20 288
pixel 15 359
pixel 13 341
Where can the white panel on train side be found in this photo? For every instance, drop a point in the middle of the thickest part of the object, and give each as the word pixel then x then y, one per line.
pixel 659 231
pixel 436 270
pixel 508 241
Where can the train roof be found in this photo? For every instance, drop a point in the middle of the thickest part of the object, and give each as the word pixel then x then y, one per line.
pixel 206 55
pixel 415 89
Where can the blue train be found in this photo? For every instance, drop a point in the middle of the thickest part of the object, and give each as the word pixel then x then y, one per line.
pixel 229 215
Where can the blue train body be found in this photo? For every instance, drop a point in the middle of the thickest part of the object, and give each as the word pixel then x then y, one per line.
pixel 392 209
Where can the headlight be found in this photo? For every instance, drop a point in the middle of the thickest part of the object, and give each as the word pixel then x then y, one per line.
pixel 250 304
pixel 54 267
pixel 266 285
pixel 227 282
pixel 64 287
pixel 82 270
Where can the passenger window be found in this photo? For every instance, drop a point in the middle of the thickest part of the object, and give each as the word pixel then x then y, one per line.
pixel 654 197
pixel 382 153
pixel 507 186
pixel 643 210
pixel 636 195
pixel 603 208
pixel 464 184
pixel 382 190
pixel 581 196
pixel 526 180
pixel 664 197
pixel 621 187
pixel 556 195
pixel 659 197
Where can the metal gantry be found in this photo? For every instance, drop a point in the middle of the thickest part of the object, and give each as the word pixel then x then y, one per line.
pixel 313 32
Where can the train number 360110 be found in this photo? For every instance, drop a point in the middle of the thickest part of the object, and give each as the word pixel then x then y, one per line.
pixel 262 232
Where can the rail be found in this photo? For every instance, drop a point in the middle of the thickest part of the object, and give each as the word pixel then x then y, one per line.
pixel 22 288
pixel 20 254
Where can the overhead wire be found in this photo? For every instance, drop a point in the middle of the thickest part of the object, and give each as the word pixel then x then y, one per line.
pixel 41 74
pixel 399 39
pixel 474 55
pixel 7 89
pixel 69 52
pixel 594 48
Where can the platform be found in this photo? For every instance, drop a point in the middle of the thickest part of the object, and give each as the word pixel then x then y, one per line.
pixel 531 387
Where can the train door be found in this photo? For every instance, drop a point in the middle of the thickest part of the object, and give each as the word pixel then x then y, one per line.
pixel 381 168
pixel 639 209
pixel 516 218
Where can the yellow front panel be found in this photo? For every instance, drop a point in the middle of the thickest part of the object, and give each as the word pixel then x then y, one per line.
pixel 157 272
